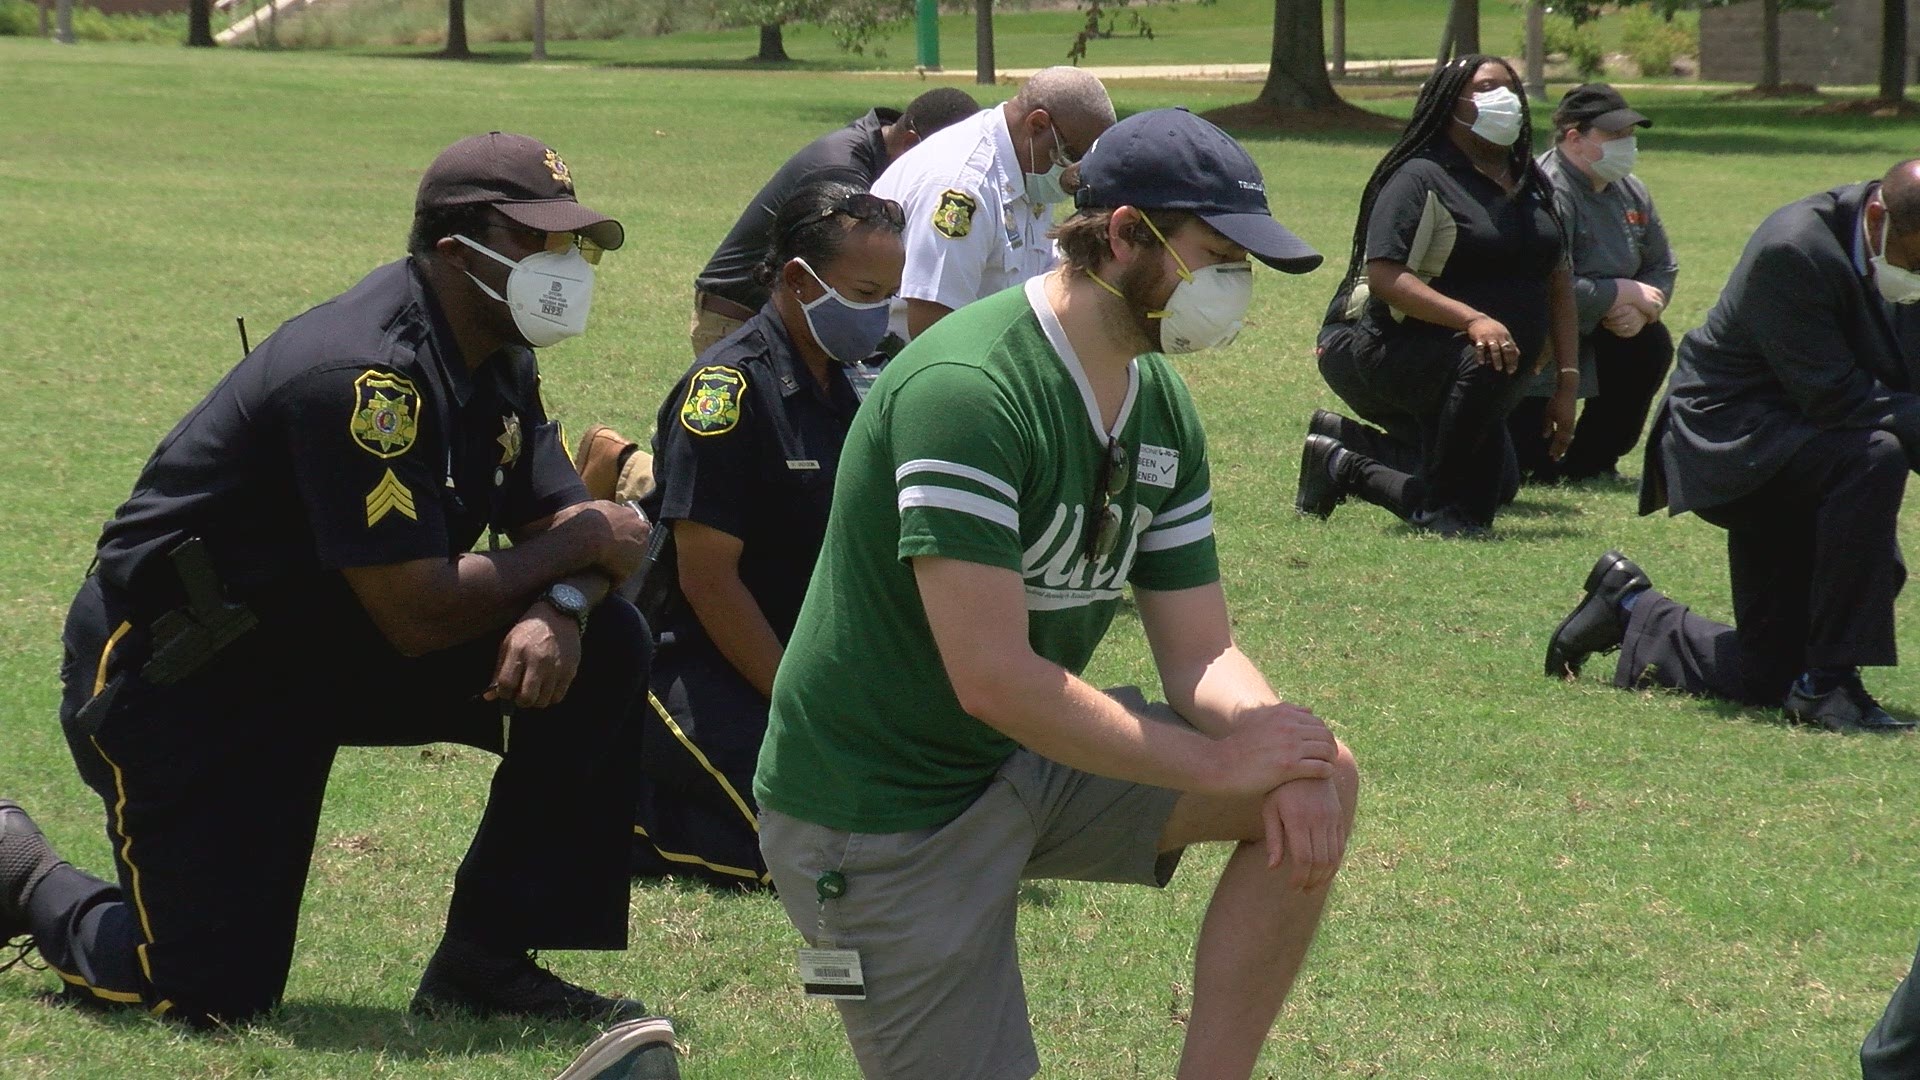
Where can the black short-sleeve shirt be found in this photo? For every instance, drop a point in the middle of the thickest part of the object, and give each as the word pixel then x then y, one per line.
pixel 1503 248
pixel 747 442
pixel 855 154
pixel 353 436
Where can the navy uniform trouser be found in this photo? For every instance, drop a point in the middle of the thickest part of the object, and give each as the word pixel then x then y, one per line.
pixel 701 725
pixel 1815 566
pixel 213 786
pixel 1441 414
pixel 1631 372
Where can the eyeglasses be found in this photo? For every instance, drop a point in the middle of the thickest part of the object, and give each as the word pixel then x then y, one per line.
pixel 860 206
pixel 557 243
pixel 1104 537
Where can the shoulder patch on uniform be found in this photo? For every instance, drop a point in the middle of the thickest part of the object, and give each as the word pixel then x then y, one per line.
pixel 954 216
pixel 713 401
pixel 387 497
pixel 386 413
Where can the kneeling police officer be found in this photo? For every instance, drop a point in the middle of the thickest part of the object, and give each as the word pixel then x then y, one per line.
pixel 294 573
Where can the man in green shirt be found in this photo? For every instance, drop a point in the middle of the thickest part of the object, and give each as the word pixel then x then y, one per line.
pixel 931 742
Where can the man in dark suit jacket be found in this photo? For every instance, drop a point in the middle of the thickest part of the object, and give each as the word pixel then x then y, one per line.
pixel 1790 421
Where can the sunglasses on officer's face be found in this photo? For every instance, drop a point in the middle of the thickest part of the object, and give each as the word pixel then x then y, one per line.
pixel 557 243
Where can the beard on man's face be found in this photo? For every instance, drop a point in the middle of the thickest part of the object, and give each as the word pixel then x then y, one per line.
pixel 1144 287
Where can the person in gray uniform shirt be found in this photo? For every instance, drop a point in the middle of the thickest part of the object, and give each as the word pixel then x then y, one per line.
pixel 1623 274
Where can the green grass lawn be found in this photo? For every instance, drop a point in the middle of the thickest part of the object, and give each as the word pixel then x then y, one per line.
pixel 1548 880
pixel 1226 31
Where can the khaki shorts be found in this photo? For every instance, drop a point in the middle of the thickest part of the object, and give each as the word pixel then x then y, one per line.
pixel 932 911
pixel 708 327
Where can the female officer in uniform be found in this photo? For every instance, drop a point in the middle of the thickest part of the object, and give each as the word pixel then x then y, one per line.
pixel 745 448
pixel 1458 286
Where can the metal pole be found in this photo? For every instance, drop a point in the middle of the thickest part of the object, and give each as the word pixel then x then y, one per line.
pixel 539 29
pixel 1536 50
pixel 928 34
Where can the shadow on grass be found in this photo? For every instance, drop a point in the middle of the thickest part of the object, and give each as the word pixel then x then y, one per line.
pixel 349 1026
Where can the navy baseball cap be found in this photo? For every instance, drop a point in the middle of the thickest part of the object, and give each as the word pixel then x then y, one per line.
pixel 519 176
pixel 1170 159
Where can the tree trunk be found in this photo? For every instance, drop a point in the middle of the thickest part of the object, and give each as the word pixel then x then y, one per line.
pixel 984 68
pixel 63 22
pixel 1339 39
pixel 773 44
pixel 1297 70
pixel 1445 53
pixel 539 30
pixel 45 28
pixel 1893 50
pixel 200 24
pixel 1466 26
pixel 456 30
pixel 1769 44
pixel 1537 50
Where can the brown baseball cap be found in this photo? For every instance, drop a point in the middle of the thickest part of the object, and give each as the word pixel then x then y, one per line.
pixel 521 177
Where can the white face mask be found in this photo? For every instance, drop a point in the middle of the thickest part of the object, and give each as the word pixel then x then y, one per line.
pixel 549 293
pixel 1616 160
pixel 1498 119
pixel 1206 308
pixel 1896 284
pixel 1043 189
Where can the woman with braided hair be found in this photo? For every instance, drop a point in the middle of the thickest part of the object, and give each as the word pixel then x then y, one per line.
pixel 1457 289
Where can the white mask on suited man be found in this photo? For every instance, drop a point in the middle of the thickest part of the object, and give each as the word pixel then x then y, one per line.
pixel 1897 284
pixel 548 293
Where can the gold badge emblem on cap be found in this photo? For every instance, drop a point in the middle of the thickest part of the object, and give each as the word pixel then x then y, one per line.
pixel 559 169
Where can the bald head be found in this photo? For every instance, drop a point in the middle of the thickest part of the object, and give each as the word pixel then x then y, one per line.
pixel 1900 190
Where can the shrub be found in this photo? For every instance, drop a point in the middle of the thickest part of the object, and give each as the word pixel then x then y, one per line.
pixel 1579 44
pixel 19 18
pixel 1654 43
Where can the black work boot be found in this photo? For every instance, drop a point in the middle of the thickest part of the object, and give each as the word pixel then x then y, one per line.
pixel 1596 624
pixel 463 977
pixel 25 859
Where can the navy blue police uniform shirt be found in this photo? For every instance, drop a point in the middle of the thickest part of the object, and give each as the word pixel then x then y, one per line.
pixel 1504 245
pixel 747 442
pixel 353 436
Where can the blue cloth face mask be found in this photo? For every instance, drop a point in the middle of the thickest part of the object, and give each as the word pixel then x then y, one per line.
pixel 846 331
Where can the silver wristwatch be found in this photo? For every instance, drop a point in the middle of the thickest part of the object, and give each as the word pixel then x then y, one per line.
pixel 568 601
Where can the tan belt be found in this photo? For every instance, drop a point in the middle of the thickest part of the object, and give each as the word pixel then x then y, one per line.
pixel 720 305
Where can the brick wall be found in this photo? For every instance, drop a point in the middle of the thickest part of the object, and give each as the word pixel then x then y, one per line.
pixel 1839 48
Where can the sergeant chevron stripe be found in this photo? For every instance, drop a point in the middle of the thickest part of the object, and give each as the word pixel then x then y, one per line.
pixel 387 496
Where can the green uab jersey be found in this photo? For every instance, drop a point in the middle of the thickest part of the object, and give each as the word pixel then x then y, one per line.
pixel 981 442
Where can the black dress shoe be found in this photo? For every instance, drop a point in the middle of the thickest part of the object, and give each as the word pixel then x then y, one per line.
pixel 25 858
pixel 1595 624
pixel 463 979
pixel 1327 422
pixel 1846 708
pixel 1319 492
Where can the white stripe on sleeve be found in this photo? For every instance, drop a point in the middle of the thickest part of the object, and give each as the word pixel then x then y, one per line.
pixel 965 502
pixel 1177 536
pixel 954 468
pixel 1166 516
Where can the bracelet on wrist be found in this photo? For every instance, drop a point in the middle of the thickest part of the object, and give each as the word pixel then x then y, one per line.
pixel 1569 371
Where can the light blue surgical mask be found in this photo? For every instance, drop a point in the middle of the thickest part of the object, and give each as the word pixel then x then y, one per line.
pixel 1044 189
pixel 845 330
